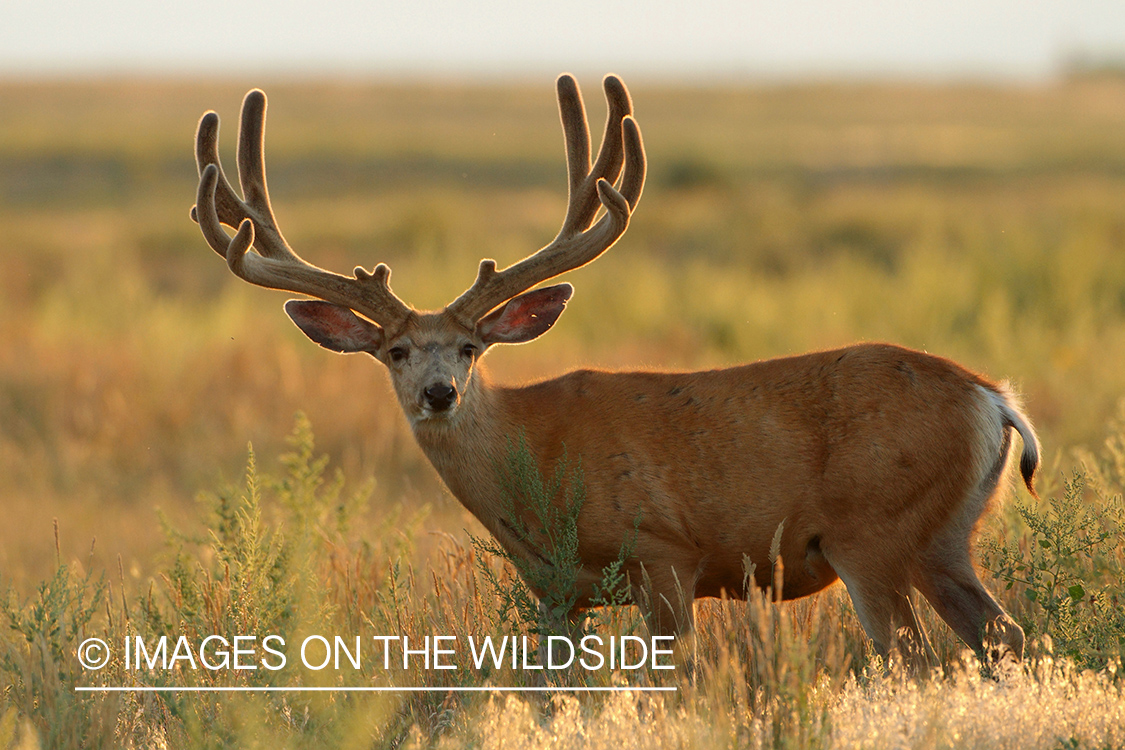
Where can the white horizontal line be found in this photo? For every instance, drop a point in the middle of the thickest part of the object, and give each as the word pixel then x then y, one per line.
pixel 372 689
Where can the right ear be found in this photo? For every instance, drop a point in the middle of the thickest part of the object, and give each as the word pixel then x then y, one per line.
pixel 334 327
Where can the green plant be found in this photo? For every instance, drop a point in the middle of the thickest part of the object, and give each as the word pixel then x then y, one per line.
pixel 1064 564
pixel 37 660
pixel 543 515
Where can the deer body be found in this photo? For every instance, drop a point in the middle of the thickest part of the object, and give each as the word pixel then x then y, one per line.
pixel 865 454
pixel 870 463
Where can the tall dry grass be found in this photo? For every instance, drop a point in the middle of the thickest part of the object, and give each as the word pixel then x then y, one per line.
pixel 297 553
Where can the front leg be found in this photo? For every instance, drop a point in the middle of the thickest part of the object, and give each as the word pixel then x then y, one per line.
pixel 666 597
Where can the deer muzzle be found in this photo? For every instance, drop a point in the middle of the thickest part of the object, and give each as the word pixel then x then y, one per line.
pixel 439 396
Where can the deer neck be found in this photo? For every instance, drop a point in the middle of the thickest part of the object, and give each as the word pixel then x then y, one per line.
pixel 468 450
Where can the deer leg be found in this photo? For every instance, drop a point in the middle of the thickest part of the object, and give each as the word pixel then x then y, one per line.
pixel 881 597
pixel 948 581
pixel 571 626
pixel 666 598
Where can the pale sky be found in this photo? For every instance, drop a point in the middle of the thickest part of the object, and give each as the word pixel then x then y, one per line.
pixel 741 38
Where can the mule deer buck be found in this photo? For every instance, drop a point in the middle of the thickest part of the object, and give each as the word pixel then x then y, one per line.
pixel 870 463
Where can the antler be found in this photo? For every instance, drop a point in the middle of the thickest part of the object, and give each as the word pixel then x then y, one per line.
pixel 590 188
pixel 274 265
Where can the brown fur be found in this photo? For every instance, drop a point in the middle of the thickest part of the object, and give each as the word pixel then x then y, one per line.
pixel 878 459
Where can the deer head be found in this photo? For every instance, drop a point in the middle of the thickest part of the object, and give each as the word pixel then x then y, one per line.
pixel 430 355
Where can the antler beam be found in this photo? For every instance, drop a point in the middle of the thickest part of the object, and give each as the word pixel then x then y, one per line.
pixel 274 264
pixel 578 243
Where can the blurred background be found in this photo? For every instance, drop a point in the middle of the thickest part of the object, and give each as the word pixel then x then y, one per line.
pixel 505 40
pixel 947 176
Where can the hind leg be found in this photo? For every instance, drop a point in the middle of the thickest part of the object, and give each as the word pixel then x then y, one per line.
pixel 948 581
pixel 881 597
pixel 946 577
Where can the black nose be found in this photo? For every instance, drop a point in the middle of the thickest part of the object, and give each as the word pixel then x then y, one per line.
pixel 440 396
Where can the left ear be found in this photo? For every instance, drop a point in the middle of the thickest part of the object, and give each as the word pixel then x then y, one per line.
pixel 525 317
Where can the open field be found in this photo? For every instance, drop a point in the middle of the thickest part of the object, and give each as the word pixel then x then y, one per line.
pixel 985 224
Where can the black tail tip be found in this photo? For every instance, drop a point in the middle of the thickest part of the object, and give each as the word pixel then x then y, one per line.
pixel 1029 464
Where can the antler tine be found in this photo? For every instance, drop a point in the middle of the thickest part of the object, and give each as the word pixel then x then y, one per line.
pixel 274 265
pixel 583 202
pixel 227 203
pixel 589 188
pixel 251 172
pixel 252 175
pixel 633 180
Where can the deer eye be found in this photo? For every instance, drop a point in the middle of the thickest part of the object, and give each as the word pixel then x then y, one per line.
pixel 398 354
pixel 468 350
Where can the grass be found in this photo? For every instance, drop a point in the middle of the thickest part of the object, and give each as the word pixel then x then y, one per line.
pixel 295 556
pixel 977 222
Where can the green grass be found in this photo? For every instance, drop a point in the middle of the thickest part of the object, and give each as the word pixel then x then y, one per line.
pixel 981 223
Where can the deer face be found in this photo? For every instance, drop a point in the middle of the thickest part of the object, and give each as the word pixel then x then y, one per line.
pixel 432 356
pixel 431 363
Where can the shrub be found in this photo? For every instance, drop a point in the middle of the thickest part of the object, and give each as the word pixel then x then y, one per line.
pixel 1066 562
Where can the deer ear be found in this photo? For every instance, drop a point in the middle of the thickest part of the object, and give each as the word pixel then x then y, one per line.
pixel 525 317
pixel 334 327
